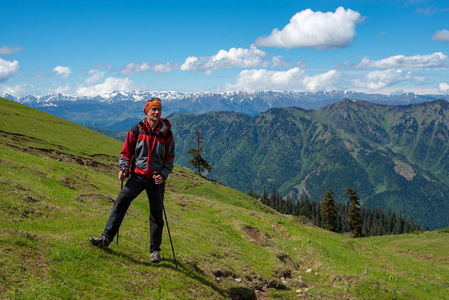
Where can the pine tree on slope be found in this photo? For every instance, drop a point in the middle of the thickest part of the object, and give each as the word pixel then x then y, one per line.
pixel 355 218
pixel 328 211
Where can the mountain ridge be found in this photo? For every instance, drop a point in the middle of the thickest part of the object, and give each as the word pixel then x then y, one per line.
pixel 393 156
pixel 238 95
pixel 120 110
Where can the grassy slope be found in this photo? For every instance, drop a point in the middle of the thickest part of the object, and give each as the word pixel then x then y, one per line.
pixel 58 182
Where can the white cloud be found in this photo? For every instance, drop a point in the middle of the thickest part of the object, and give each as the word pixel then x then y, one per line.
pixel 140 67
pixel 322 81
pixel 235 57
pixel 429 11
pixel 315 30
pixel 443 87
pixel 441 36
pixel 8 50
pixel 295 78
pixel 435 60
pixel 278 62
pixel 377 80
pixel 95 75
pixel 64 71
pixel 111 84
pixel 19 90
pixel 7 69
pixel 259 80
pixel 61 89
pixel 39 75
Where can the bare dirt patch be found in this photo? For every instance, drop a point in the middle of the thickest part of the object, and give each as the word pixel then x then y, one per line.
pixel 284 257
pixel 92 197
pixel 258 236
pixel 405 170
pixel 242 293
pixel 223 273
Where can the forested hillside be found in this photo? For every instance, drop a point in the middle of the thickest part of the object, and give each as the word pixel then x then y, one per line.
pixel 393 156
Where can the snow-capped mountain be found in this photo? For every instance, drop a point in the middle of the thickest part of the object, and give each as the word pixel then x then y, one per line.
pixel 108 97
pixel 270 97
pixel 116 110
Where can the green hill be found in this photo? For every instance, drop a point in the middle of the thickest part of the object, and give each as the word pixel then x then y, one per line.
pixel 59 180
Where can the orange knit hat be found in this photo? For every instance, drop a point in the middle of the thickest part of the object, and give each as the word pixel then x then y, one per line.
pixel 150 103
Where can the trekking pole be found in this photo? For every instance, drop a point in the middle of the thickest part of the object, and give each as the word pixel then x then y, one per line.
pixel 119 228
pixel 166 221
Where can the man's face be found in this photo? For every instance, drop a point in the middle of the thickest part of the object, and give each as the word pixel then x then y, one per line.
pixel 154 113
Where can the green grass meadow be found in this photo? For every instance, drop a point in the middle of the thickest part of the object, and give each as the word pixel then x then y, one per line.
pixel 58 182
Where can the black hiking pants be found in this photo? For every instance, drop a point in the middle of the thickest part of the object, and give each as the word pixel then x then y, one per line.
pixel 133 187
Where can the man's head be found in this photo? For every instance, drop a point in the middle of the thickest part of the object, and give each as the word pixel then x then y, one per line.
pixel 152 102
pixel 153 110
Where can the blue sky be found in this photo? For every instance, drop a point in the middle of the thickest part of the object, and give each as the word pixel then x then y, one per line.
pixel 94 47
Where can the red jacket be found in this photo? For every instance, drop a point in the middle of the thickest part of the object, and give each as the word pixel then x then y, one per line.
pixel 146 151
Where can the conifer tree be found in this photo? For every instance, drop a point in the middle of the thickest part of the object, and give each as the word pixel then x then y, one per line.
pixel 264 196
pixel 250 193
pixel 399 226
pixel 273 198
pixel 355 218
pixel 289 208
pixel 328 211
pixel 198 162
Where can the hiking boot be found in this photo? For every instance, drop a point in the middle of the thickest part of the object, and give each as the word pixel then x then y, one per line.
pixel 102 241
pixel 155 257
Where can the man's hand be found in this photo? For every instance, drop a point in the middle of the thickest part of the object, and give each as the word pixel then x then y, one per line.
pixel 158 178
pixel 122 175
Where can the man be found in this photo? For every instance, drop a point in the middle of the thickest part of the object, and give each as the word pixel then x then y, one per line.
pixel 148 152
